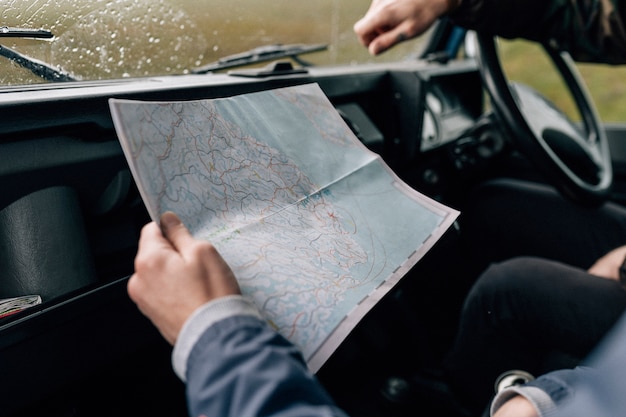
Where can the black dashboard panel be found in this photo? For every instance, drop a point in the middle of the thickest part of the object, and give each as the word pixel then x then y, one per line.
pixel 70 218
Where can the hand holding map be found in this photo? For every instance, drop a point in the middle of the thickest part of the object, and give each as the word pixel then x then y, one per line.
pixel 316 227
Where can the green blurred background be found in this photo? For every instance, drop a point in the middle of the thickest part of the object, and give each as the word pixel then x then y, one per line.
pixel 527 63
pixel 112 39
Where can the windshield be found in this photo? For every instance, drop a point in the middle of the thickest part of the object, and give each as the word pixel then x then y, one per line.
pixel 114 39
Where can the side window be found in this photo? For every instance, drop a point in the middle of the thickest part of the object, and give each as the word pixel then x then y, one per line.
pixel 527 62
pixel 607 85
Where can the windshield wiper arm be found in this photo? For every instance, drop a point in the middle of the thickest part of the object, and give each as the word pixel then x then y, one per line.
pixel 261 54
pixel 39 68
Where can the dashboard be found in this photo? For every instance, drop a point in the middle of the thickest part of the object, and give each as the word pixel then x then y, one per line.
pixel 70 214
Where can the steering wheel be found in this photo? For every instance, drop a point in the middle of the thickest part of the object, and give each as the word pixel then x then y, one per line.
pixel 574 157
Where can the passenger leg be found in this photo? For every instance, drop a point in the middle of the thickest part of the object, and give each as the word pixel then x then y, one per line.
pixel 521 311
pixel 508 218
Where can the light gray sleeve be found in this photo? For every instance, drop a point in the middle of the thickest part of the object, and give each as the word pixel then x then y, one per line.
pixel 202 319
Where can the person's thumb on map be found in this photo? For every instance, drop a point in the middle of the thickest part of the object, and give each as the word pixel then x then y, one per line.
pixel 175 274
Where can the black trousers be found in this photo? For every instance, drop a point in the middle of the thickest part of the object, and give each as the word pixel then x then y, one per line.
pixel 535 307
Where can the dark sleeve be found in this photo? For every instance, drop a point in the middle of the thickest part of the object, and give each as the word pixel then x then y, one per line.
pixel 241 367
pixel 590 30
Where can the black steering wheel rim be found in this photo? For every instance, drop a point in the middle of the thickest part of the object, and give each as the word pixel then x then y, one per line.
pixel 592 188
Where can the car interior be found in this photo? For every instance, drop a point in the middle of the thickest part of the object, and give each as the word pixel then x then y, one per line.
pixel 70 215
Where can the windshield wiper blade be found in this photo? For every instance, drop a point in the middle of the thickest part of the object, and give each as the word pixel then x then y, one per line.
pixel 262 54
pixel 39 68
pixel 9 32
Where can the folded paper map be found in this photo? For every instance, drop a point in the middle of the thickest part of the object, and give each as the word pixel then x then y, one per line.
pixel 316 227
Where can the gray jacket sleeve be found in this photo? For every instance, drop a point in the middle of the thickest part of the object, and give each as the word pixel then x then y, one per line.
pixel 596 389
pixel 239 366
pixel 547 393
pixel 602 394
